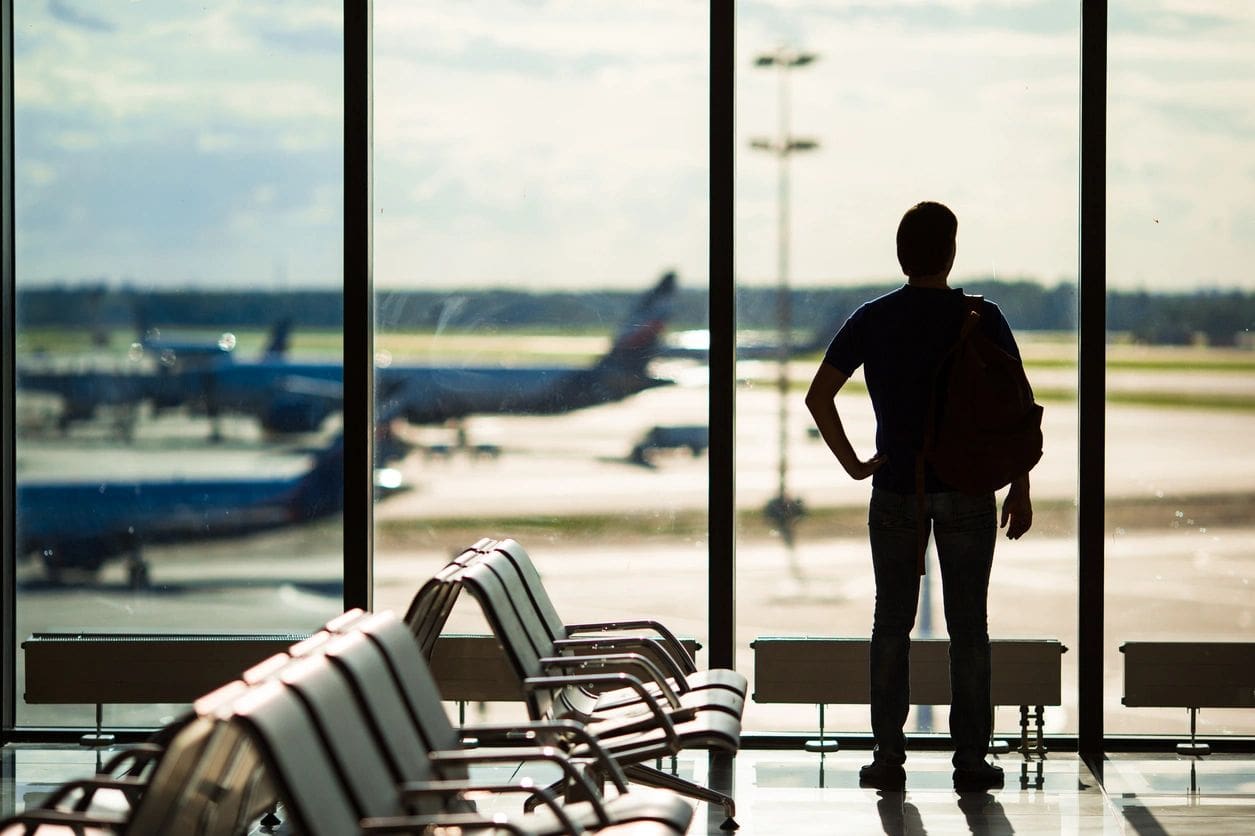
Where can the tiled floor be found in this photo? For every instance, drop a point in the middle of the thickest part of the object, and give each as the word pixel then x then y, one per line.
pixel 799 794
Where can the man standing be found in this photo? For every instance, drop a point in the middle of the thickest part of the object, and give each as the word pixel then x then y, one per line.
pixel 899 339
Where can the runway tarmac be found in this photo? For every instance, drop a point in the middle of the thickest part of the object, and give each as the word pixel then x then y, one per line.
pixel 1178 564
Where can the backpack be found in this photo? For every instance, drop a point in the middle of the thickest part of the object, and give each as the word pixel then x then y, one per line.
pixel 983 428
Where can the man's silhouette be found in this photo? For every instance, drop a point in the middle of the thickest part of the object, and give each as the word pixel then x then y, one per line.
pixel 899 340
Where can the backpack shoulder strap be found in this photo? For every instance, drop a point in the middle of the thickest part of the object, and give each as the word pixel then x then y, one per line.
pixel 974 305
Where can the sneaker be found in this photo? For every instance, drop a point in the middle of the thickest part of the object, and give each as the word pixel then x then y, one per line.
pixel 984 776
pixel 882 776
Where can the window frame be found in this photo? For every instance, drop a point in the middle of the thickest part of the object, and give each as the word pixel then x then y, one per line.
pixel 358 294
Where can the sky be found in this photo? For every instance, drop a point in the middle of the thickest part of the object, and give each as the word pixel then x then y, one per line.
pixel 561 144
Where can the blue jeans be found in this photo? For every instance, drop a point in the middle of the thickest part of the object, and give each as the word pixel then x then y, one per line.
pixel 964 529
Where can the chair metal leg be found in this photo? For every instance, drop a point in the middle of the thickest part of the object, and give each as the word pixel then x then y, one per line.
pixel 651 777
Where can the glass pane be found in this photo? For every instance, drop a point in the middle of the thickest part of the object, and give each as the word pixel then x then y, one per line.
pixel 848 116
pixel 1180 367
pixel 537 170
pixel 178 217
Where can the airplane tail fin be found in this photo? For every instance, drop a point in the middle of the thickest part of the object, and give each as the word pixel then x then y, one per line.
pixel 280 339
pixel 144 332
pixel 320 491
pixel 640 337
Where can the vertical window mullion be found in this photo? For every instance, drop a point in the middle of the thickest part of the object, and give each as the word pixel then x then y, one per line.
pixel 1092 335
pixel 358 388
pixel 8 578
pixel 722 316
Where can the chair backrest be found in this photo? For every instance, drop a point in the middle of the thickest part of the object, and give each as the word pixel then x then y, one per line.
pixel 397 732
pixel 517 557
pixel 343 729
pixel 513 591
pixel 173 774
pixel 315 798
pixel 516 639
pixel 215 801
pixel 432 605
pixel 413 680
pixel 429 611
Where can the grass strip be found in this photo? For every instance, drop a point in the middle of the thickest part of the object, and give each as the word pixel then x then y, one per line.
pixel 1055 518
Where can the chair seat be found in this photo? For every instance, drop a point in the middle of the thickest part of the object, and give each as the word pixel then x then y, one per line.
pixel 705 699
pixel 628 741
pixel 727 699
pixel 642 811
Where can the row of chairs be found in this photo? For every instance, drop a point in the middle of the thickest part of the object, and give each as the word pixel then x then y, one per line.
pixel 631 682
pixel 346 732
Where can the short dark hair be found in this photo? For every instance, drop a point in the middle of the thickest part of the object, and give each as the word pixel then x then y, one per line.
pixel 926 238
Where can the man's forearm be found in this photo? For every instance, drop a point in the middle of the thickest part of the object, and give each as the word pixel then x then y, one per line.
pixel 828 421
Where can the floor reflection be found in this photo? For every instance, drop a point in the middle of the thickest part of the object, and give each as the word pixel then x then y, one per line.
pixel 806 794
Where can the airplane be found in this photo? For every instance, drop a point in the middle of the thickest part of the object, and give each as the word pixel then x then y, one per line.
pixel 437 394
pixel 79 526
pixel 179 366
pixel 288 396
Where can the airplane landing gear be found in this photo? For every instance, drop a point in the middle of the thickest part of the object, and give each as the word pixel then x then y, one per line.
pixel 137 571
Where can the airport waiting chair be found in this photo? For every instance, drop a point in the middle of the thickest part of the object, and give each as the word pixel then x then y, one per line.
pixel 594 705
pixel 662 646
pixel 409 726
pixel 432 605
pixel 202 785
pixel 430 609
pixel 380 649
pixel 518 575
pixel 334 777
pixel 564 687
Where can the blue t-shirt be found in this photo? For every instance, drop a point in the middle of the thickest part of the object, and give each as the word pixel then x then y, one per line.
pixel 899 339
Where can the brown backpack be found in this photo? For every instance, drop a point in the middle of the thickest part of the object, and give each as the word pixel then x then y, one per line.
pixel 983 427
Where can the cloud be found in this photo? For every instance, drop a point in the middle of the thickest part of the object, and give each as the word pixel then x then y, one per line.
pixel 565 141
pixel 66 13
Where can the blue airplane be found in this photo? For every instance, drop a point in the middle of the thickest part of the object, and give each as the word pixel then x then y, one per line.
pixel 288 396
pixel 79 526
pixel 180 365
pixel 436 394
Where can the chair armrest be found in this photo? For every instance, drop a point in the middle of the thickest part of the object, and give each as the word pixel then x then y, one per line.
pixel 34 818
pixel 549 754
pixel 660 717
pixel 648 647
pixel 139 756
pixel 568 728
pixel 417 789
pixel 673 644
pixel 419 824
pixel 632 660
pixel 89 786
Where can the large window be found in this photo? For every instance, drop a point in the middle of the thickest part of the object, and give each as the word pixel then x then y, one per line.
pixel 1179 360
pixel 846 118
pixel 179 298
pixel 178 227
pixel 540 190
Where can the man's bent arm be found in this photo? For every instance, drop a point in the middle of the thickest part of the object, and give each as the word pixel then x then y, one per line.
pixel 820 400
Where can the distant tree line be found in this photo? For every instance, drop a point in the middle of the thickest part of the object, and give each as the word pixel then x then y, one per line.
pixel 1210 316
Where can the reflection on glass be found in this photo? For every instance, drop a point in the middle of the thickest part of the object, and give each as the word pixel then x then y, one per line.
pixel 179 322
pixel 540 242
pixel 976 109
pixel 1179 357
